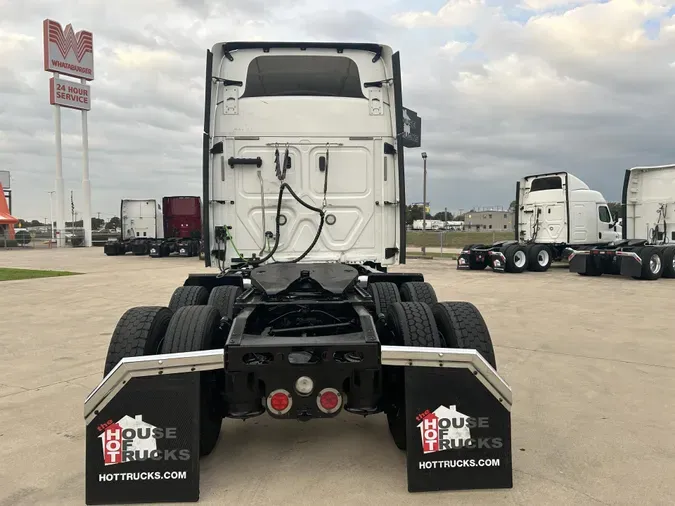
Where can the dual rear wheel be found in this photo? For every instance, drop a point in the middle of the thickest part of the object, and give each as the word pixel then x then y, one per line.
pixel 412 316
pixel 192 322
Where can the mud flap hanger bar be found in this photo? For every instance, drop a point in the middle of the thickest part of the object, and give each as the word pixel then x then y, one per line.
pixel 619 253
pixel 198 361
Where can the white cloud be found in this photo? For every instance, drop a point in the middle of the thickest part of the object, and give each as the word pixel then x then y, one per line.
pixel 453 48
pixel 453 13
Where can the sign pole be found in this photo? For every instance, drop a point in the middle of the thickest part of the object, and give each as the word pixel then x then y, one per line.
pixel 86 185
pixel 60 197
pixel 70 54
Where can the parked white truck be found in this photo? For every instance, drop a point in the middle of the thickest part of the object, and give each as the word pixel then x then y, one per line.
pixel 141 222
pixel 647 246
pixel 555 214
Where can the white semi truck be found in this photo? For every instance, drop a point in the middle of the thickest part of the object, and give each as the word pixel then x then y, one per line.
pixel 304 211
pixel 647 245
pixel 141 222
pixel 554 212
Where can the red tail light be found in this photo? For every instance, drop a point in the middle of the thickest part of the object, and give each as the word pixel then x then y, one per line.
pixel 329 400
pixel 279 402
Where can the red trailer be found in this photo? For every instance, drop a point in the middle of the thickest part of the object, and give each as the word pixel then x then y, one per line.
pixel 182 227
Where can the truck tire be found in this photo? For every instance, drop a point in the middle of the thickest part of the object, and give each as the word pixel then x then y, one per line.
pixel 669 262
pixel 652 263
pixel 195 328
pixel 384 294
pixel 412 324
pixel 188 296
pixel 418 291
pixel 138 333
pixel 516 258
pixel 462 326
pixel 223 298
pixel 539 258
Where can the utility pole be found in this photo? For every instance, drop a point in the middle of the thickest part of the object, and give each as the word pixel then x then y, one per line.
pixel 424 203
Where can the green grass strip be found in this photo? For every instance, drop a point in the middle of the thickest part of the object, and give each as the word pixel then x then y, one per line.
pixel 11 274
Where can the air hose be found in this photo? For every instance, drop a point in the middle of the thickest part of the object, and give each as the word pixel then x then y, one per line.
pixel 281 175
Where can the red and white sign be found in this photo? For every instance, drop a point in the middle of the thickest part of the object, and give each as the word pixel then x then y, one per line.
pixel 67 52
pixel 444 429
pixel 126 437
pixel 69 94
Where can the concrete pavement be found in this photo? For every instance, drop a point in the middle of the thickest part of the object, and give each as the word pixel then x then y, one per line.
pixel 590 362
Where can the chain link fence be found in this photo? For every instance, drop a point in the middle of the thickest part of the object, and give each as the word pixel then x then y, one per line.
pixel 25 238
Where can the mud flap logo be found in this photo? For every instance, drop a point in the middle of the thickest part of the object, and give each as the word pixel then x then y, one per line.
pixel 448 429
pixel 131 439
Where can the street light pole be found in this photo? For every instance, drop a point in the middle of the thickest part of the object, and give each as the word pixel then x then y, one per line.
pixel 424 204
pixel 51 213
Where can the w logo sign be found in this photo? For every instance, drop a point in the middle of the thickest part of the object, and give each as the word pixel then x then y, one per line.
pixel 67 52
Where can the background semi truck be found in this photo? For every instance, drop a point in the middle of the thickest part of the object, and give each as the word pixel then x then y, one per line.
pixel 554 212
pixel 647 246
pixel 141 222
pixel 182 227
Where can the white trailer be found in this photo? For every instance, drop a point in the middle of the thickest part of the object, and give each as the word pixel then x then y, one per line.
pixel 141 221
pixel 647 245
pixel 554 212
pixel 438 225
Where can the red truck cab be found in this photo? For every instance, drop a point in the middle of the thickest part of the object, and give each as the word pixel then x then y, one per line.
pixel 182 217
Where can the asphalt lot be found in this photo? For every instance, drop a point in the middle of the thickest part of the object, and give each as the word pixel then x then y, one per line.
pixel 590 362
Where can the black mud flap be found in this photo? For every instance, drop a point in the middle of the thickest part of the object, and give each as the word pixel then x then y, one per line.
pixel 458 432
pixel 155 249
pixel 497 261
pixel 631 267
pixel 142 431
pixel 113 249
pixel 142 434
pixel 579 262
pixel 458 419
pixel 143 446
pixel 463 260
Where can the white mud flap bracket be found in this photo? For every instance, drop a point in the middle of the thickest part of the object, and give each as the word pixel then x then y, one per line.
pixel 142 425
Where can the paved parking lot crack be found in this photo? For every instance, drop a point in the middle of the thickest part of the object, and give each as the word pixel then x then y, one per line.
pixel 549 352
pixel 24 390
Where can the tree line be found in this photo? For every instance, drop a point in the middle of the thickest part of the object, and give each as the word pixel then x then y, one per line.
pixel 96 223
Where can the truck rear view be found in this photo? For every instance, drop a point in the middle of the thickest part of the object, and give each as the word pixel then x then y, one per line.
pixel 320 120
pixel 303 212
pixel 182 228
pixel 141 222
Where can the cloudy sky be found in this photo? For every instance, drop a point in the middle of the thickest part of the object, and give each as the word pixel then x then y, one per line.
pixel 505 89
